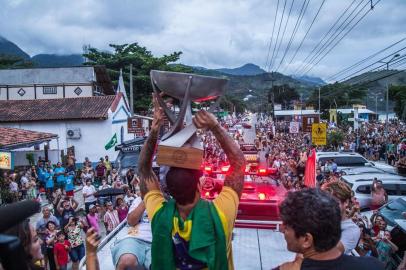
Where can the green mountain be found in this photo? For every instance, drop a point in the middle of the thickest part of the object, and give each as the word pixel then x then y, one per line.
pixel 54 60
pixel 41 60
pixel 9 48
pixel 245 70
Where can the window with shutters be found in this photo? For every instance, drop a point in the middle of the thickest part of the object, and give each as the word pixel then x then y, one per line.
pixel 49 90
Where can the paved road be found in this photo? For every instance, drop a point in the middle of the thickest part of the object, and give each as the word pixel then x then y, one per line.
pixel 250 134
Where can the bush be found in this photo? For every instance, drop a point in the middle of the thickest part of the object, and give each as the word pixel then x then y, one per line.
pixel 335 138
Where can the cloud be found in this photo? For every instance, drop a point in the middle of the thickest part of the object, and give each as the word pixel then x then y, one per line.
pixel 210 33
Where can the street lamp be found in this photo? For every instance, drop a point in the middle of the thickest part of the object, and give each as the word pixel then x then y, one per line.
pixel 387 92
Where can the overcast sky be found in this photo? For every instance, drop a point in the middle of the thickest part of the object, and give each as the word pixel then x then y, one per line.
pixel 210 33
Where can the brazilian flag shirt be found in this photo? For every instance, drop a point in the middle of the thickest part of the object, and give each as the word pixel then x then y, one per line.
pixel 226 205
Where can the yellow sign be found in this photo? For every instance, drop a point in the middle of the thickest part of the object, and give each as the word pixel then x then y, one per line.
pixel 6 161
pixel 319 134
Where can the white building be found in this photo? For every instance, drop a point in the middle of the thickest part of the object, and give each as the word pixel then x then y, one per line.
pixel 50 83
pixel 87 123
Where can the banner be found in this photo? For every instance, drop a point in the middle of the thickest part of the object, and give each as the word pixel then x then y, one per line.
pixel 6 161
pixel 333 115
pixel 310 170
pixel 294 127
pixel 307 122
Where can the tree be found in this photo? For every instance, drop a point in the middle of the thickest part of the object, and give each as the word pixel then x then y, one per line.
pixel 335 138
pixel 398 95
pixel 283 94
pixel 337 95
pixel 229 103
pixel 143 62
pixel 10 61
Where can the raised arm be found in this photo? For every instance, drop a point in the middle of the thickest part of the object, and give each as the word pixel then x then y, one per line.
pixel 235 179
pixel 148 179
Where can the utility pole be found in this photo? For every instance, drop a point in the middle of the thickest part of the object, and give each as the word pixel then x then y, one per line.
pixel 319 99
pixel 272 96
pixel 387 93
pixel 131 90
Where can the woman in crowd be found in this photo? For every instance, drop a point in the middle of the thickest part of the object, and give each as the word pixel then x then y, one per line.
pixel 31 244
pixel 122 209
pixel 386 248
pixel 50 240
pixel 73 231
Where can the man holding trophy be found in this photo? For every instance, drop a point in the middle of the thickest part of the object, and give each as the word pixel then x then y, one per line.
pixel 188 232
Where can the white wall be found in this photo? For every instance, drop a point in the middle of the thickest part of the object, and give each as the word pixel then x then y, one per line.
pixel 3 93
pixel 119 122
pixel 95 135
pixel 87 91
pixel 29 93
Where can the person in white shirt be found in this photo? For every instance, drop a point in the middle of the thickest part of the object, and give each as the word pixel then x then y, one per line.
pixel 350 232
pixel 88 192
pixel 135 248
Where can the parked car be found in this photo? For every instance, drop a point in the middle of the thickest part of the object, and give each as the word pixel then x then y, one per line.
pixel 351 159
pixel 394 185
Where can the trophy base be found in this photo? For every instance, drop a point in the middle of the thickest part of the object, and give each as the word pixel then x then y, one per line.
pixel 182 157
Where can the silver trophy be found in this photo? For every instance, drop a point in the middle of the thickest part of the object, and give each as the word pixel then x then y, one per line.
pixel 180 146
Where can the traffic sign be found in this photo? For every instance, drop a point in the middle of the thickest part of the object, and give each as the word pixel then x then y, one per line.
pixel 294 127
pixel 319 133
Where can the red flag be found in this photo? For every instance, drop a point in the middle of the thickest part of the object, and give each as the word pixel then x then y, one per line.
pixel 310 171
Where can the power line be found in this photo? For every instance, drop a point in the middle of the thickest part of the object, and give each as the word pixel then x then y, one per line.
pixel 284 29
pixel 345 70
pixel 398 62
pixel 270 42
pixel 292 37
pixel 307 32
pixel 328 32
pixel 370 65
pixel 345 34
pixel 331 38
pixel 277 36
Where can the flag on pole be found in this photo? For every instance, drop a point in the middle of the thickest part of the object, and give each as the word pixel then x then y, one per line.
pixel 112 142
pixel 310 170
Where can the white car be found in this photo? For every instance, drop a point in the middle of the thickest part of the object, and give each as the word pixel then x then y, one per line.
pixel 394 185
pixel 346 160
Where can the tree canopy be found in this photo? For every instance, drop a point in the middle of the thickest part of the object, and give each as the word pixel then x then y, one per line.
pixel 337 95
pixel 10 61
pixel 283 94
pixel 398 95
pixel 143 62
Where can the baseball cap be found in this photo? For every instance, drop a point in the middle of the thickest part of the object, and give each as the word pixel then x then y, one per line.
pixel 92 206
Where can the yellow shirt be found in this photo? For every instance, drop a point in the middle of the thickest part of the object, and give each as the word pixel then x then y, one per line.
pixel 226 205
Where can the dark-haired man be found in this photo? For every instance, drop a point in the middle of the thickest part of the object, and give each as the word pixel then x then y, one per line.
pixel 312 227
pixel 188 232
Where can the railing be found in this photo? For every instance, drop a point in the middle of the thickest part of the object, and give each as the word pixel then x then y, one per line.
pixel 258 224
pixel 110 236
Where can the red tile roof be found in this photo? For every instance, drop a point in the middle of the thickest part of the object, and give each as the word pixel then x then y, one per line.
pixel 10 137
pixel 55 109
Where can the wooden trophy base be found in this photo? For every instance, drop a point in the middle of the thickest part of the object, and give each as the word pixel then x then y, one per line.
pixel 183 150
pixel 184 157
